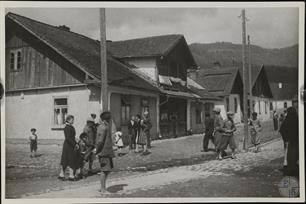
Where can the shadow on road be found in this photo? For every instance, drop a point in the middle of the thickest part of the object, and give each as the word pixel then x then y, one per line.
pixel 116 188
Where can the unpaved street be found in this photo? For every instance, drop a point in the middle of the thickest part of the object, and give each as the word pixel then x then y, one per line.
pixel 251 174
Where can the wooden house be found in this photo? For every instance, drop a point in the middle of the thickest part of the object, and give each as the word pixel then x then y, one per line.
pixel 165 60
pixel 52 71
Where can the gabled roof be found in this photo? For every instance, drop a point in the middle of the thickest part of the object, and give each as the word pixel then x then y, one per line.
pixel 81 51
pixel 144 47
pixel 287 76
pixel 218 81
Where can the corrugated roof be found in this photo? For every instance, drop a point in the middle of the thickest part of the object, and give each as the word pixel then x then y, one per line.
pixel 82 51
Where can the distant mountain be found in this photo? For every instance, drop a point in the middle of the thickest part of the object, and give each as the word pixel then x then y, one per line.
pixel 229 54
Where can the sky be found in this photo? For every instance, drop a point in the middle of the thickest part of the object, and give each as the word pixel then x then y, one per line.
pixel 267 27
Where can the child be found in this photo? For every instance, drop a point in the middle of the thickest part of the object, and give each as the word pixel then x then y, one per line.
pixel 81 152
pixel 118 141
pixel 33 142
pixel 255 128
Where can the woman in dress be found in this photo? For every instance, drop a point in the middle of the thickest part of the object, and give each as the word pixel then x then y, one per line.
pixel 255 130
pixel 69 157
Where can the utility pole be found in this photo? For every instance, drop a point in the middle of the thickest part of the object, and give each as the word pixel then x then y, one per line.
pixel 250 75
pixel 245 82
pixel 103 60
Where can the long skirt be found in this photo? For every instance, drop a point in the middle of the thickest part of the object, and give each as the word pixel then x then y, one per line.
pixel 142 138
pixel 255 138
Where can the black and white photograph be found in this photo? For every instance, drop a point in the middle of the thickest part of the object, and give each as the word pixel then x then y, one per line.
pixel 152 102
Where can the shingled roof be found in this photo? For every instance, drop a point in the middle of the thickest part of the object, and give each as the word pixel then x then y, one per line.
pixel 218 81
pixel 144 47
pixel 81 51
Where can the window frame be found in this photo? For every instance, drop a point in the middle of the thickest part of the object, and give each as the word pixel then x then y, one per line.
pixel 199 118
pixel 17 60
pixel 126 108
pixel 236 104
pixel 259 107
pixel 54 125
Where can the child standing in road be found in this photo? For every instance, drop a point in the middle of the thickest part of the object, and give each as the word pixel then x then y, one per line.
pixel 118 141
pixel 255 129
pixel 33 142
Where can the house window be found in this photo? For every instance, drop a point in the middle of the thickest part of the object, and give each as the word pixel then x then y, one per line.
pixel 285 104
pixel 15 60
pixel 280 85
pixel 198 114
pixel 236 104
pixel 144 106
pixel 227 104
pixel 259 108
pixel 266 107
pixel 208 108
pixel 125 108
pixel 271 106
pixel 60 111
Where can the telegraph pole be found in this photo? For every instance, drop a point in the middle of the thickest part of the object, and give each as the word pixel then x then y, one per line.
pixel 245 83
pixel 103 59
pixel 250 74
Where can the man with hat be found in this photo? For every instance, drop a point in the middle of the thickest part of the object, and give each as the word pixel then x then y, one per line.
pixel 90 131
pixel 218 130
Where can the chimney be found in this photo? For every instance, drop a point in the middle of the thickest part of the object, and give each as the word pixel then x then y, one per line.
pixel 64 27
pixel 217 65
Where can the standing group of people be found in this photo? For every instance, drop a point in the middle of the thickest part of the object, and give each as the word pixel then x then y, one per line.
pixel 221 132
pixel 96 141
pixel 139 133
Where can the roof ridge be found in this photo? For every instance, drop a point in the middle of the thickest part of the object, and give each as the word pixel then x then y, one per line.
pixel 142 38
pixel 49 25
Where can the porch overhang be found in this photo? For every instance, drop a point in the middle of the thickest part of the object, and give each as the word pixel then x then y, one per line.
pixel 180 94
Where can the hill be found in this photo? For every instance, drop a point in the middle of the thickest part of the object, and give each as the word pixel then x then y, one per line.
pixel 229 54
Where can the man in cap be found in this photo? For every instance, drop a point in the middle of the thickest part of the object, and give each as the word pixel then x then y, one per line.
pixel 90 131
pixel 218 131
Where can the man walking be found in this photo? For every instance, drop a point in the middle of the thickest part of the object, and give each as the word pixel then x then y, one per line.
pixel 104 149
pixel 209 129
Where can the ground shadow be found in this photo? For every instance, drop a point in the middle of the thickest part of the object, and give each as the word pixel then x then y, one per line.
pixel 116 188
pixel 38 155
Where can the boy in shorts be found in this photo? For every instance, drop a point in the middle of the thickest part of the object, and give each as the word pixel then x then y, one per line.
pixel 104 149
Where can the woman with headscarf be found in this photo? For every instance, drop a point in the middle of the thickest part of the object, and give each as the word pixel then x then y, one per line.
pixel 290 133
pixel 69 157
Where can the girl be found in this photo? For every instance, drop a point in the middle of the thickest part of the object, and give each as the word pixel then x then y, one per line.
pixel 228 135
pixel 69 154
pixel 255 129
pixel 118 141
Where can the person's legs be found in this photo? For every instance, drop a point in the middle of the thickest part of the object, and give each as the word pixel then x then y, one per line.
pixel 71 173
pixel 148 140
pixel 205 142
pixel 103 178
pixel 62 173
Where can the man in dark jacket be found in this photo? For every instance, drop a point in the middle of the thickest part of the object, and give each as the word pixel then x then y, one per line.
pixel 132 132
pixel 290 132
pixel 104 148
pixel 209 129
